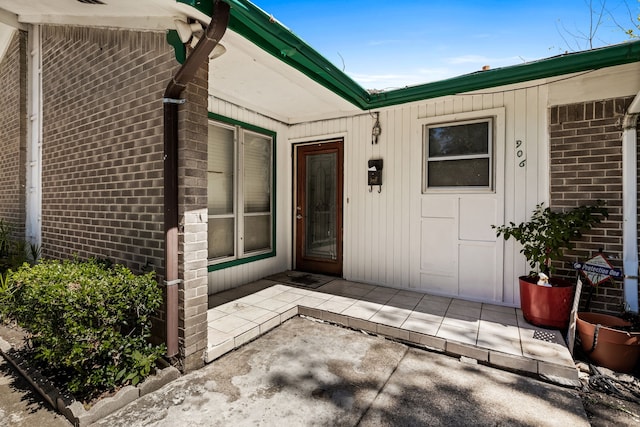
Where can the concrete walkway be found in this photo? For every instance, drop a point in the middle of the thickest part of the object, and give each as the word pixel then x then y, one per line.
pixel 305 373
pixel 495 335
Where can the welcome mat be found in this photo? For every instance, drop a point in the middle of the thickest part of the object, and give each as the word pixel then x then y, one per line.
pixel 300 278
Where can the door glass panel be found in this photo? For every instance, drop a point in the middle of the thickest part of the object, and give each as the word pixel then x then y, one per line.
pixel 320 209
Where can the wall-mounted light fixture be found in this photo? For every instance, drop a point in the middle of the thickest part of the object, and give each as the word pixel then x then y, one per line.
pixel 376 130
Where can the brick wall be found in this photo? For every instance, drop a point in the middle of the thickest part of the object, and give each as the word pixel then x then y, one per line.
pixel 13 134
pixel 586 165
pixel 102 179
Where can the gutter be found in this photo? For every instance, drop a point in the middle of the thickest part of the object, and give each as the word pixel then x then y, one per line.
pixel 172 101
pixel 630 204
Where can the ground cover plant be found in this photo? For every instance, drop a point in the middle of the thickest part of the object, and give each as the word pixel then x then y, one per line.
pixel 89 323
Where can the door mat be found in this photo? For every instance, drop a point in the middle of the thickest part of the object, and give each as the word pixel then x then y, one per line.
pixel 300 278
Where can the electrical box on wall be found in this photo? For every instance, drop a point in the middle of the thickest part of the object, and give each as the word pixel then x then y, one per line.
pixel 375 174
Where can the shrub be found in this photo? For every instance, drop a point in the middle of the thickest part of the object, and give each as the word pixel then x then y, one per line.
pixel 90 323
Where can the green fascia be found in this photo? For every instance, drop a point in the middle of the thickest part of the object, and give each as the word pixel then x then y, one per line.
pixel 258 27
pixel 551 67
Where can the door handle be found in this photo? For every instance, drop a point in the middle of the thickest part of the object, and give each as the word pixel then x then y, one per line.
pixel 298 216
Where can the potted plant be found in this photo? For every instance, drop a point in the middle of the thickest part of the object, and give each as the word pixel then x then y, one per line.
pixel 545 300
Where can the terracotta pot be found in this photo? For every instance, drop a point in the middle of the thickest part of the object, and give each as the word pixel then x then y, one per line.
pixel 548 307
pixel 616 350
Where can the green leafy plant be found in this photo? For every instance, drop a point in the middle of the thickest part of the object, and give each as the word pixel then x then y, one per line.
pixel 546 235
pixel 90 324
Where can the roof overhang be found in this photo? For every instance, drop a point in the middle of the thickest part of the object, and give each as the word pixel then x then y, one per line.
pixel 270 70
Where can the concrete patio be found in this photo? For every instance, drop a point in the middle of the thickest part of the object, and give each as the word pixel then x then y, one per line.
pixel 493 335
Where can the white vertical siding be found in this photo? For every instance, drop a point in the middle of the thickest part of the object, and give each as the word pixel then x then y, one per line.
pixel 382 231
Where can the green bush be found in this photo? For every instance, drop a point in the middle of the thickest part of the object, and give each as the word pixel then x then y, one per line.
pixel 90 323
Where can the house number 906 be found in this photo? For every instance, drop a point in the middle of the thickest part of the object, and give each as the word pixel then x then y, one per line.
pixel 520 153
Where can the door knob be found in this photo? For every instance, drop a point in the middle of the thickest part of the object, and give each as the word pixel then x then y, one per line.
pixel 298 216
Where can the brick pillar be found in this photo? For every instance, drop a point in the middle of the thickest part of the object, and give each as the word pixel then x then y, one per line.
pixel 192 195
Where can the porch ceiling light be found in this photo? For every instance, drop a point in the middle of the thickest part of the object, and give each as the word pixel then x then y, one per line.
pixel 186 31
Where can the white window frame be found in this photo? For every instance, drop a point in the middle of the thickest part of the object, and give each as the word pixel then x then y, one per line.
pixel 238 214
pixel 490 155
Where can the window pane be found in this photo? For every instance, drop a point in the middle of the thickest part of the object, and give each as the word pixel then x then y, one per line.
pixel 221 241
pixel 220 170
pixel 257 173
pixel 459 173
pixel 257 233
pixel 458 140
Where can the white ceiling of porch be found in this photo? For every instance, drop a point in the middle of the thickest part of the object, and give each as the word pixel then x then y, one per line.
pixel 244 75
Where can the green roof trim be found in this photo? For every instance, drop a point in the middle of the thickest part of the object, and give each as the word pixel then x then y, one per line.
pixel 265 32
pixel 559 65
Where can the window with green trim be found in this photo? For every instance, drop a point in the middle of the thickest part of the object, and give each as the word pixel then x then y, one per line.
pixel 239 193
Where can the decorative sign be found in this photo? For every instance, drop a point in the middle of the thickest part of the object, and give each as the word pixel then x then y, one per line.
pixel 597 270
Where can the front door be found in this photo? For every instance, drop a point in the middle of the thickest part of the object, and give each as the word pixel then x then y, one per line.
pixel 318 208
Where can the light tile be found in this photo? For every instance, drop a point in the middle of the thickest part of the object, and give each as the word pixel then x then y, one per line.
pixel 500 343
pixel 362 309
pixel 252 313
pixel 247 336
pixel 216 337
pixel 309 301
pixel 436 298
pixel 426 317
pixel 499 317
pixel 334 306
pixel 462 349
pixel 214 352
pixel 460 321
pixel 462 335
pixel 390 331
pixel 229 323
pixel 432 307
pixel 252 299
pixel 287 296
pixel 500 308
pixel 267 324
pixel 466 311
pixel 288 314
pixel 271 292
pixel 421 326
pixel 213 314
pixel 232 307
pixel 403 301
pixel 271 304
pixel 428 340
pixel 390 316
pixel 335 318
pixel 513 362
pixel 364 325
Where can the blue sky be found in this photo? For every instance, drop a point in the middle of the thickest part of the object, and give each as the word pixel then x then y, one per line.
pixel 395 43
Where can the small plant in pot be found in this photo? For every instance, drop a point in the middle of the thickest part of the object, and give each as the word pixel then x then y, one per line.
pixel 546 300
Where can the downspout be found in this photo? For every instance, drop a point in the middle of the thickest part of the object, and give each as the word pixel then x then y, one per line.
pixel 630 204
pixel 171 100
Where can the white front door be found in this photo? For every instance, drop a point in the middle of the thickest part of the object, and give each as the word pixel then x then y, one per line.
pixel 463 195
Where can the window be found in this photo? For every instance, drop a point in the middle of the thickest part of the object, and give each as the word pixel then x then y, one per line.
pixel 239 193
pixel 458 155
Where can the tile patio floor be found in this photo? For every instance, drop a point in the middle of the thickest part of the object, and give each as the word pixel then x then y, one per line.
pixel 494 335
